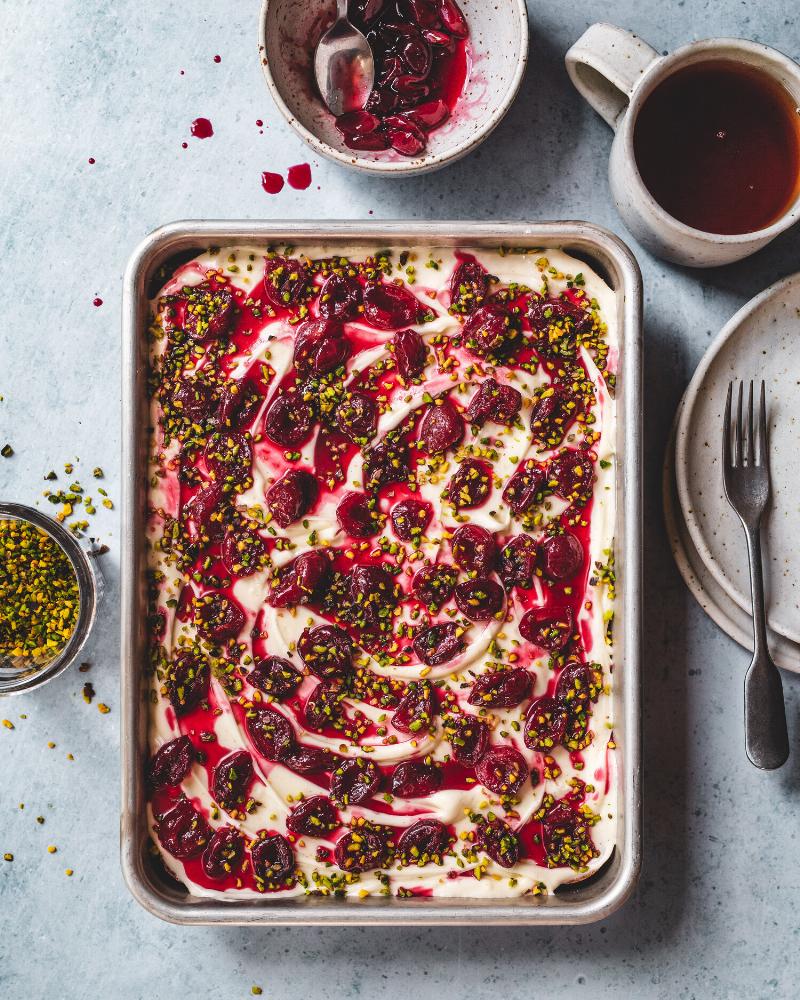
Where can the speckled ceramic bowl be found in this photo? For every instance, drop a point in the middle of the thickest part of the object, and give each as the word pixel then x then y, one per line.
pixel 288 34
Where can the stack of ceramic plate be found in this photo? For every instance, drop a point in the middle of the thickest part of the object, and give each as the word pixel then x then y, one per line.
pixel 762 341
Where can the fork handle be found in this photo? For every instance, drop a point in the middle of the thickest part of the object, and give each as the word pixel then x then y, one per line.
pixel 766 738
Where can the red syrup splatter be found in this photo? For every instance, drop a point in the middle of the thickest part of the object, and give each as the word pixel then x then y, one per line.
pixel 272 183
pixel 299 176
pixel 184 145
pixel 201 128
pixel 259 123
pixel 92 160
pixel 97 301
pixel 217 59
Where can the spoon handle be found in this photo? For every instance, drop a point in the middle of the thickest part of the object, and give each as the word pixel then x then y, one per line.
pixel 341 9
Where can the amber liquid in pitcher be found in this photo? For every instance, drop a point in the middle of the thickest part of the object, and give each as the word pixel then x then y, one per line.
pixel 717 145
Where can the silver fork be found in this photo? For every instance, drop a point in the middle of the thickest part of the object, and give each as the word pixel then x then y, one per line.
pixel 747 487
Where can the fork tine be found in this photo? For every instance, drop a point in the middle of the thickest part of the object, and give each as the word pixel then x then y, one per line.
pixel 750 434
pixel 763 444
pixel 737 437
pixel 726 431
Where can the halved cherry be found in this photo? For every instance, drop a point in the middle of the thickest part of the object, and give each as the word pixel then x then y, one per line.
pixel 355 780
pixel 327 651
pixel 285 281
pixel 469 738
pixel 170 764
pixel 474 548
pixel 193 400
pixel 470 280
pixel 552 413
pixel 410 519
pixel 471 484
pixel 358 516
pixel 203 510
pixel 430 114
pixel 410 353
pixel 273 861
pixel 324 706
pixel 416 779
pixel 305 759
pixel 292 496
pixel 375 142
pixel 238 403
pixel 229 456
pixel 571 476
pixel 275 676
pixel 243 551
pixel 489 330
pixel 320 345
pixel 423 843
pixel 360 851
pixel 224 854
pixel 271 733
pixel 340 296
pixel 518 562
pixel 526 488
pixel 567 838
pixel 502 770
pixel 357 417
pixel 480 599
pixel 545 724
pixel 390 307
pixel 578 685
pixel 439 643
pixel 386 462
pixel 218 617
pixel 373 594
pixel 183 831
pixel 501 688
pixel 441 428
pixel 301 581
pixel 421 12
pixel 232 778
pixel 289 420
pixel 355 124
pixel 548 628
pixel 498 840
pixel 555 324
pixel 561 556
pixel 210 311
pixel 452 18
pixel 404 134
pixel 186 681
pixel 493 401
pixel 433 585
pixel 313 817
pixel 417 709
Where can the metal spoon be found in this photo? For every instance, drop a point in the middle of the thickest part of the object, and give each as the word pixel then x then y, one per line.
pixel 343 65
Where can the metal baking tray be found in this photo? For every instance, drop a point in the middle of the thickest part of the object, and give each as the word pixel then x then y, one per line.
pixel 593 899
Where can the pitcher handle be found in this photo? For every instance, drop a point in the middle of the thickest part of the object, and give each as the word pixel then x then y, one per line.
pixel 605 64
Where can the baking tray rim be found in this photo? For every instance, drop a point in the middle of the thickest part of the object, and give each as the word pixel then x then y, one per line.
pixel 555 910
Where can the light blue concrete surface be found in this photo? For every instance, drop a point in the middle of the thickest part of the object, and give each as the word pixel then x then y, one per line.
pixel 716 914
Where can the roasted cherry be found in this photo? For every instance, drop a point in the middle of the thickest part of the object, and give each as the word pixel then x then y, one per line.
pixel 434 585
pixel 232 777
pixel 313 817
pixel 218 617
pixel 555 324
pixel 501 689
pixel 545 724
pixel 469 738
pixel 489 330
pixel 410 519
pixel 238 403
pixel 417 709
pixel 210 311
pixel 441 428
pixel 423 843
pixel 285 281
pixel 386 462
pixel 578 685
pixel 323 707
pixel 358 516
pixel 320 346
pixel 171 763
pixel 518 561
pixel 183 831
pixel 571 476
pixel 243 551
pixel 373 595
pixel 273 861
pixel 468 286
pixel 303 580
pixel 502 770
pixel 276 677
pixel 415 779
pixel 327 651
pixel 561 556
pixel 355 780
pixel 471 484
pixel 498 840
pixel 439 643
pixel 340 296
pixel 360 851
pixel 186 681
pixel 390 307
pixel 526 488
pixel 410 353
pixel 452 18
pixel 552 414
pixel 203 510
pixel 224 853
pixel 357 417
pixel 271 732
pixel 480 599
pixel 289 420
pixel 229 456
pixel 292 496
pixel 493 401
pixel 548 628
pixel 305 759
pixel 193 400
pixel 474 548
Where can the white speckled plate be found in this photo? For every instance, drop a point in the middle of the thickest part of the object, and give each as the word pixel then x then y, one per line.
pixel 762 341
pixel 709 595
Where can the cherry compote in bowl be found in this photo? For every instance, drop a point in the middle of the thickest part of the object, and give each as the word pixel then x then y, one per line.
pixel 447 72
